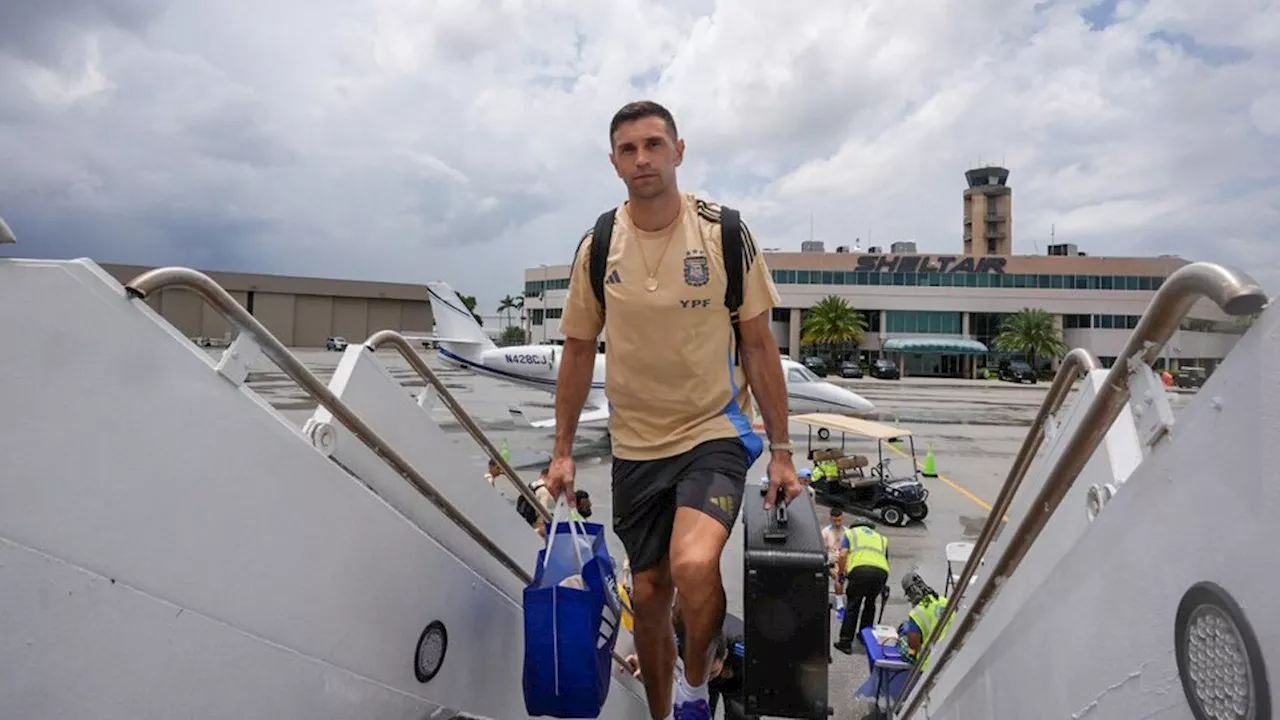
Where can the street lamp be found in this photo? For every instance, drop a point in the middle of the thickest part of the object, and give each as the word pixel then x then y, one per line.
pixel 6 234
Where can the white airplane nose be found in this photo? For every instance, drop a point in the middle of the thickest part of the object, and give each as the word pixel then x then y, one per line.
pixel 855 402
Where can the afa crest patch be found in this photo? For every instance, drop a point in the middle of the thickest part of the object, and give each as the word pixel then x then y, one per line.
pixel 696 271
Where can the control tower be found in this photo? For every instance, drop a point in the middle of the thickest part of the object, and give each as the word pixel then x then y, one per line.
pixel 988 212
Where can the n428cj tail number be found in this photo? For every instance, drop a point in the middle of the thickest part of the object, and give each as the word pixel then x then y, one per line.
pixel 527 359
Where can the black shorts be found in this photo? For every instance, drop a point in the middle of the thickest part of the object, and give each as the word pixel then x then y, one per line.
pixel 709 478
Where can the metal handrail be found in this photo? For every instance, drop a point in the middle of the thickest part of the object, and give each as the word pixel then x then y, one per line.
pixel 402 345
pixel 1076 363
pixel 204 286
pixel 201 284
pixel 1235 292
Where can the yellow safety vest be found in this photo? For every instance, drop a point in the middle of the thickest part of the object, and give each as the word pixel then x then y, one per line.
pixel 867 547
pixel 926 615
pixel 828 469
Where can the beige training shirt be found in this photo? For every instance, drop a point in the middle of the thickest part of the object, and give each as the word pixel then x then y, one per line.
pixel 671 380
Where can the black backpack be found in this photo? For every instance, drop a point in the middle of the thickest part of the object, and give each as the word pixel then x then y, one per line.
pixel 732 249
pixel 527 511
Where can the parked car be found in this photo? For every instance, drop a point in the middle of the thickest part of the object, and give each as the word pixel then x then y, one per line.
pixel 816 365
pixel 885 370
pixel 1017 371
pixel 336 343
pixel 1190 377
pixel 850 369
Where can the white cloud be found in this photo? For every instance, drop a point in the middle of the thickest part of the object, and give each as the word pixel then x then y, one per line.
pixel 466 140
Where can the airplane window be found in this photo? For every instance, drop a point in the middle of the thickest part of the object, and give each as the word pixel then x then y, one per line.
pixel 801 375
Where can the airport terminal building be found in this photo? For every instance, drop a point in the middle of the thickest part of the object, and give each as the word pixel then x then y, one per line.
pixel 301 312
pixel 938 315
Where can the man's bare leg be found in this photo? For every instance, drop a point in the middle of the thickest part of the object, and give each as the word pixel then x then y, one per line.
pixel 655 643
pixel 697 540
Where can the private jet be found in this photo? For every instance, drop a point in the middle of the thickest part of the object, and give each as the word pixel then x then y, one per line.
pixel 462 343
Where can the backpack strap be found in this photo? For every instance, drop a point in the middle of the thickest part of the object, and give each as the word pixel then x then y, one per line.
pixel 601 238
pixel 731 247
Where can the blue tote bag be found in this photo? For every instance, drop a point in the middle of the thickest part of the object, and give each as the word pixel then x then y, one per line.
pixel 571 617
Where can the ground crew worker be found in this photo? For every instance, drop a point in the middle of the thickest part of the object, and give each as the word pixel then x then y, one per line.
pixel 495 472
pixel 579 511
pixel 836 537
pixel 825 470
pixel 527 511
pixel 726 670
pixel 582 506
pixel 540 492
pixel 725 681
pixel 922 621
pixel 866 574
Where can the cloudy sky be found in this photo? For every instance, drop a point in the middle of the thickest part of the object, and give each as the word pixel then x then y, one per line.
pixel 420 139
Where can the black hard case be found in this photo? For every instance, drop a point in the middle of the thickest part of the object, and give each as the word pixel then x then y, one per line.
pixel 786 616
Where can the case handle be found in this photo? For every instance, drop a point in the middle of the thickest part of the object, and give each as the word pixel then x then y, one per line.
pixel 775 527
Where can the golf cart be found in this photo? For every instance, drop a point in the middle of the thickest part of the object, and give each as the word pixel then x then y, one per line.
pixel 850 482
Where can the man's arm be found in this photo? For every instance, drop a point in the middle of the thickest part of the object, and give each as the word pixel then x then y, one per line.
pixel 581 323
pixel 763 365
pixel 760 357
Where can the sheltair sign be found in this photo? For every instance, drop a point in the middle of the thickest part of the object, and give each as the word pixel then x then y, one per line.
pixel 932 264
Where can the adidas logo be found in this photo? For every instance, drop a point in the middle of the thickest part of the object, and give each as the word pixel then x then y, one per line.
pixel 606 633
pixel 614 277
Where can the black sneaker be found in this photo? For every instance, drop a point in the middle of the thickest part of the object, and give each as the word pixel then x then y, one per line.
pixel 844 647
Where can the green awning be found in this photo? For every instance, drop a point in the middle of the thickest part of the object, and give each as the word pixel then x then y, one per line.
pixel 946 345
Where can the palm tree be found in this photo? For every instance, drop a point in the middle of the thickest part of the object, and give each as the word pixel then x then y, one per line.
pixel 520 309
pixel 1031 332
pixel 470 302
pixel 505 307
pixel 831 322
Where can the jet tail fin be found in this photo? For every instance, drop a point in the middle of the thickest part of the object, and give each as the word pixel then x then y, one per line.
pixel 457 330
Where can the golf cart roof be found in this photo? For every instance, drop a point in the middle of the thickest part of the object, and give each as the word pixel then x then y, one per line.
pixel 851 425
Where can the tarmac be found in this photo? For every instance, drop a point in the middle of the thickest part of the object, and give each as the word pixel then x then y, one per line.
pixel 974 427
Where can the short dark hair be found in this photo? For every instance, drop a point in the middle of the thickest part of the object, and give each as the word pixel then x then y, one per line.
pixel 836 512
pixel 638 111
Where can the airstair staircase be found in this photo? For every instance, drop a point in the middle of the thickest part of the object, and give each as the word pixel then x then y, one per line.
pixel 1135 576
pixel 172 546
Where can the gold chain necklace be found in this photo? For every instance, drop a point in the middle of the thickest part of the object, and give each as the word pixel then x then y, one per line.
pixel 652 283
